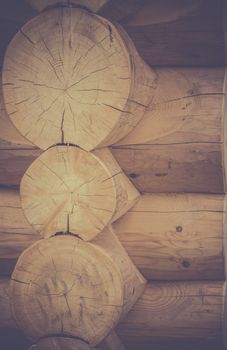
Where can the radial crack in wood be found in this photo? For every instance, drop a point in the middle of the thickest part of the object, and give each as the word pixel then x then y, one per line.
pixel 68 189
pixel 71 287
pixel 77 79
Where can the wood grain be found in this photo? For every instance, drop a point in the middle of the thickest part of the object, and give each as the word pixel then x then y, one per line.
pixel 178 237
pixel 68 189
pixel 176 314
pixel 178 145
pixel 61 88
pixel 71 287
pixel 175 237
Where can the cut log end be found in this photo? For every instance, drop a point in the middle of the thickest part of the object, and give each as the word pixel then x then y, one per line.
pixel 72 288
pixel 78 86
pixel 67 190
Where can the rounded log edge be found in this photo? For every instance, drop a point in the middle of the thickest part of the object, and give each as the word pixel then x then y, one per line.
pixel 85 85
pixel 72 287
pixel 68 189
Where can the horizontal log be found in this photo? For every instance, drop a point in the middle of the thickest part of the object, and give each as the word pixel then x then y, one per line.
pixel 172 315
pixel 176 316
pixel 178 32
pixel 177 237
pixel 165 33
pixel 177 147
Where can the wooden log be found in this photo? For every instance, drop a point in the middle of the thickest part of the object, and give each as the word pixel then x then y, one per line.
pixel 168 237
pixel 176 315
pixel 73 287
pixel 15 233
pixel 178 32
pixel 67 189
pixel 94 72
pixel 178 146
pixel 179 315
pixel 60 343
pixel 111 342
pixel 175 237
pixel 6 316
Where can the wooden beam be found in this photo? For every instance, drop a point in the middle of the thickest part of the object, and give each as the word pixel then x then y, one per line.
pixel 94 70
pixel 178 33
pixel 179 315
pixel 177 237
pixel 88 191
pixel 178 145
pixel 176 315
pixel 74 287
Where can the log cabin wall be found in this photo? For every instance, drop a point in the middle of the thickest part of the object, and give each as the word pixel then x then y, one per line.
pixel 174 156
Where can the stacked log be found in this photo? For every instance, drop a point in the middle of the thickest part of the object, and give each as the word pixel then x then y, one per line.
pixel 78 282
pixel 179 314
pixel 64 284
pixel 167 236
pixel 73 108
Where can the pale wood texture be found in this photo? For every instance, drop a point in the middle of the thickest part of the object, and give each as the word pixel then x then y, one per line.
pixel 176 315
pixel 68 189
pixel 182 153
pixel 71 287
pixel 134 282
pixel 15 232
pixel 178 145
pixel 187 32
pixel 86 85
pixel 61 343
pixel 177 237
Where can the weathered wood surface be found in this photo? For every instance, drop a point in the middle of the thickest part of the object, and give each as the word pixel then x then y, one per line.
pixel 16 233
pixel 179 315
pixel 68 189
pixel 70 286
pixel 94 71
pixel 177 237
pixel 176 315
pixel 111 342
pixel 60 343
pixel 178 32
pixel 178 145
pixel 74 287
